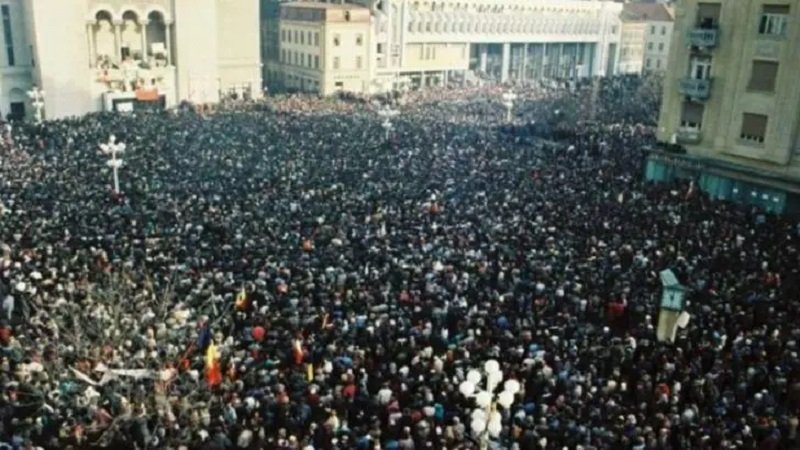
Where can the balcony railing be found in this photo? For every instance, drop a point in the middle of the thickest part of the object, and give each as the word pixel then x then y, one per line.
pixel 704 37
pixel 688 135
pixel 696 88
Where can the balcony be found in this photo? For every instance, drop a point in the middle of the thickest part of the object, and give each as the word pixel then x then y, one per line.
pixel 696 89
pixel 704 38
pixel 688 135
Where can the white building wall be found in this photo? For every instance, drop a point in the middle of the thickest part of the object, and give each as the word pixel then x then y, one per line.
pixel 58 37
pixel 658 36
pixel 401 26
pixel 15 80
pixel 197 54
pixel 239 46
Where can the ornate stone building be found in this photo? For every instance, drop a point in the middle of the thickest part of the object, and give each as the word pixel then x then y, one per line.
pixel 92 55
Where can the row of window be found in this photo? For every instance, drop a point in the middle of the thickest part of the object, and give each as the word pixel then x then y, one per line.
pixel 480 7
pixel 495 27
pixel 773 22
pixel 753 130
pixel 299 59
pixel 312 61
pixel 649 63
pixel 663 30
pixel 337 63
pixel 300 37
pixel 650 46
pixel 337 40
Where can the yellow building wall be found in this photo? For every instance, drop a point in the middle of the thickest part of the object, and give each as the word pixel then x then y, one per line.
pixel 732 61
pixel 436 56
pixel 352 77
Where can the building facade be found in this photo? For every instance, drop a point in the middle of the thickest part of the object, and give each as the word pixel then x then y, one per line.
pixel 93 55
pixel 431 43
pixel 324 47
pixel 731 102
pixel 646 38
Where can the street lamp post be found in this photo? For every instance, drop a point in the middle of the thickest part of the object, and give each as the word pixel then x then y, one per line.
pixel 486 421
pixel 112 148
pixel 508 100
pixel 387 113
pixel 37 101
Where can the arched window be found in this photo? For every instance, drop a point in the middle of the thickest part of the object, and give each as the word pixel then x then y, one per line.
pixel 158 44
pixel 105 47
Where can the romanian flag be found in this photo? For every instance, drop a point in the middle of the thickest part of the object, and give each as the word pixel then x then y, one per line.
pixel 213 370
pixel 297 351
pixel 242 302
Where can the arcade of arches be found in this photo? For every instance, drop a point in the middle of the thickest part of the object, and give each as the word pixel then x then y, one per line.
pixel 144 40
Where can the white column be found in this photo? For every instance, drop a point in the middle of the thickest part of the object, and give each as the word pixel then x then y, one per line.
pixel 506 62
pixel 484 56
pixel 118 40
pixel 168 34
pixel 143 25
pixel 524 64
pixel 90 43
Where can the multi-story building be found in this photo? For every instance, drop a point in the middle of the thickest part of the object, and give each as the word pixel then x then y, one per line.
pixel 324 47
pixel 731 104
pixel 646 36
pixel 272 71
pixel 92 55
pixel 430 43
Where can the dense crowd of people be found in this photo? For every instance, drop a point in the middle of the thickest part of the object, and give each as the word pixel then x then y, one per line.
pixel 279 276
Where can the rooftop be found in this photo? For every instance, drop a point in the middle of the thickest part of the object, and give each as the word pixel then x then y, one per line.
pixel 646 11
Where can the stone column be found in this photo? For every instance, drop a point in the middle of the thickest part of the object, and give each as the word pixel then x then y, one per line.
pixel 484 56
pixel 506 62
pixel 168 34
pixel 524 65
pixel 90 45
pixel 118 40
pixel 143 25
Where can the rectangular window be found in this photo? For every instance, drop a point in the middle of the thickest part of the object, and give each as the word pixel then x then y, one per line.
pixel 774 19
pixel 9 38
pixel 336 40
pixel 289 36
pixel 308 38
pixel 763 76
pixel 316 61
pixel 296 37
pixel 650 46
pixel 663 30
pixel 316 39
pixel 661 47
pixel 359 39
pixel 649 63
pixel 358 62
pixel 653 29
pixel 700 68
pixel 708 15
pixel 302 38
pixel 335 63
pixel 692 115
pixel 754 127
pixel 379 49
